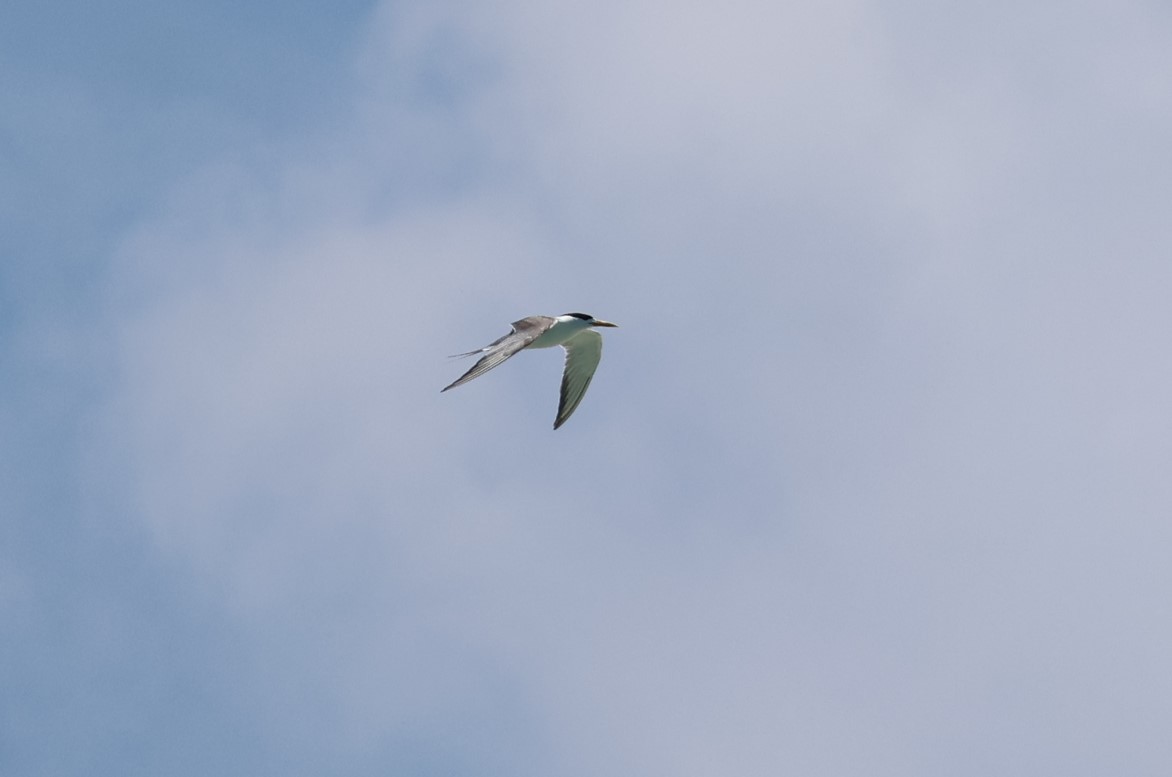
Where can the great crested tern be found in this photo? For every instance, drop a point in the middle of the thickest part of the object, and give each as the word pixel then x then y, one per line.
pixel 574 332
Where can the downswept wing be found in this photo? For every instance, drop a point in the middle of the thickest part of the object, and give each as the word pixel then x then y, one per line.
pixel 583 352
pixel 498 352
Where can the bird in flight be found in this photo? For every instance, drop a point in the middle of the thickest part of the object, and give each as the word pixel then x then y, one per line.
pixel 574 332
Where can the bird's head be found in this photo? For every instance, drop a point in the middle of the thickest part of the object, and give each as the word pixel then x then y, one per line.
pixel 589 319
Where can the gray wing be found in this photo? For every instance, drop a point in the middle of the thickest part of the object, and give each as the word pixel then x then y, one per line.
pixel 583 352
pixel 498 352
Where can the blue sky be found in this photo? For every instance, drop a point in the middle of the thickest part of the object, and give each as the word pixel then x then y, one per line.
pixel 871 480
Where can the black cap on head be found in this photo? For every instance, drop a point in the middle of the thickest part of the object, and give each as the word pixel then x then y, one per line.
pixel 582 316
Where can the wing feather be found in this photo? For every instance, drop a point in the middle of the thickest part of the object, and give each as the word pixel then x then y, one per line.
pixel 500 350
pixel 583 352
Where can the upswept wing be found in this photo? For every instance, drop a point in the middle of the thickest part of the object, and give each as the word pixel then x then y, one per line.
pixel 583 352
pixel 498 352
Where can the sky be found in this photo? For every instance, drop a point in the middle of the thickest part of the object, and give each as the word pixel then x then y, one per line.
pixel 871 480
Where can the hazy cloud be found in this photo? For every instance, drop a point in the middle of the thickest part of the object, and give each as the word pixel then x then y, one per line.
pixel 869 481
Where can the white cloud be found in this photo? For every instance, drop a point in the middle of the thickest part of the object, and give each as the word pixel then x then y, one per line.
pixel 864 483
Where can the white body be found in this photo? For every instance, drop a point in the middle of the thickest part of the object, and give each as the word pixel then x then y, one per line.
pixel 563 329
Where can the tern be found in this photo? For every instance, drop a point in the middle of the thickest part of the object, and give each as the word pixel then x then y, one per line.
pixel 574 332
